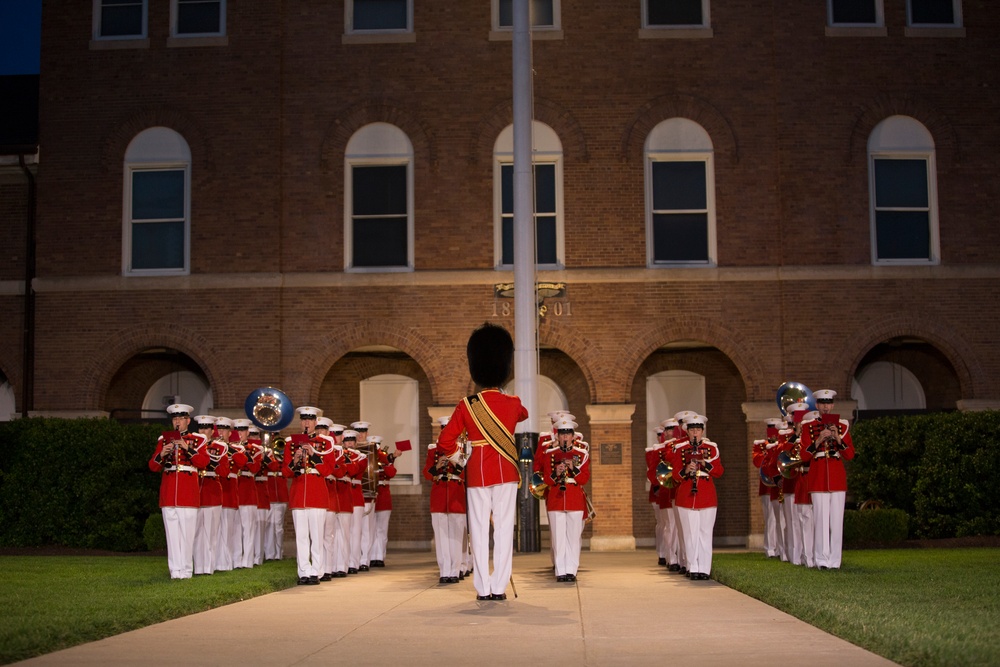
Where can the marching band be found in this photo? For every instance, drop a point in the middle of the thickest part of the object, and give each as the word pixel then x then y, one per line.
pixel 226 485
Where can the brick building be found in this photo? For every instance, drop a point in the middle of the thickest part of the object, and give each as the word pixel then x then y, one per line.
pixel 315 196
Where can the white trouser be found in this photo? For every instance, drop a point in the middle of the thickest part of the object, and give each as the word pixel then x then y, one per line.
pixel 697 527
pixel 828 527
pixel 804 526
pixel 179 524
pixel 354 555
pixel 566 529
pixel 770 532
pixel 671 544
pixel 660 528
pixel 367 533
pixel 274 534
pixel 223 554
pixel 206 539
pixel 793 547
pixel 250 528
pixel 682 558
pixel 779 531
pixel 330 528
pixel 258 553
pixel 309 524
pixel 381 540
pixel 233 536
pixel 467 563
pixel 342 541
pixel 449 530
pixel 500 501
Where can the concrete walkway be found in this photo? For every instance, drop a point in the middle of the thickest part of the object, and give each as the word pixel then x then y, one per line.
pixel 623 610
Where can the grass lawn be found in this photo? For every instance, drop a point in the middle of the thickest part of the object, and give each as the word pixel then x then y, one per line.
pixel 917 607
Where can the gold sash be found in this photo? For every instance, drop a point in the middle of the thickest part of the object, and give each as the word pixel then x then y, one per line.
pixel 493 430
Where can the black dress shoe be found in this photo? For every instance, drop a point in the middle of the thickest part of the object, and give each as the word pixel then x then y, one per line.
pixel 682 570
pixel 362 568
pixel 661 561
pixel 326 577
pixel 340 575
pixel 377 563
pixel 442 580
pixel 314 580
pixel 453 580
pixel 673 567
pixel 561 578
pixel 484 597
pixel 570 577
pixel 352 570
pixel 461 575
pixel 303 581
pixel 498 596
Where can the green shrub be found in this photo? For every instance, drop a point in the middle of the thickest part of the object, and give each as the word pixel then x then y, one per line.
pixel 878 526
pixel 154 534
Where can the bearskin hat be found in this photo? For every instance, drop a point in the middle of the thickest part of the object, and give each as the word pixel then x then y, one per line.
pixel 491 355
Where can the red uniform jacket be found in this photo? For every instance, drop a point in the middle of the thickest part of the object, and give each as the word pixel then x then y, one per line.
pixel 701 494
pixel 308 486
pixel 386 471
pixel 544 442
pixel 663 496
pixel 179 481
pixel 759 452
pixel 230 490
pixel 247 487
pixel 826 460
pixel 565 494
pixel 277 485
pixel 356 473
pixel 447 485
pixel 486 466
pixel 213 474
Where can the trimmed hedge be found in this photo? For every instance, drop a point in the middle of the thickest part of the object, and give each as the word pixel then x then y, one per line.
pixel 81 483
pixel 941 469
pixel 878 526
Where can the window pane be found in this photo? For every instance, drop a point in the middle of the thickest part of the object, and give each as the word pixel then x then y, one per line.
pixel 379 190
pixel 680 237
pixel 545 239
pixel 158 245
pixel 900 183
pixel 380 242
pixel 120 18
pixel 542 13
pixel 157 195
pixel 545 188
pixel 679 186
pixel 507 241
pixel 380 14
pixel 674 12
pixel 932 11
pixel 507 189
pixel 854 11
pixel 198 16
pixel 902 235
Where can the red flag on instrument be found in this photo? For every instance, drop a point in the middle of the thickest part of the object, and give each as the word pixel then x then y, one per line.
pixel 298 438
pixel 403 445
pixel 169 436
pixel 831 419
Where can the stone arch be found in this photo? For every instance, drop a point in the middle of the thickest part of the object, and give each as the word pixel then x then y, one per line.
pixel 575 347
pixel 350 119
pixel 679 106
pixel 561 120
pixel 946 142
pixel 341 340
pixel 202 152
pixel 125 344
pixel 648 340
pixel 844 365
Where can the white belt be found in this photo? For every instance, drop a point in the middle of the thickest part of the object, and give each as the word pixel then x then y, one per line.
pixel 456 478
pixel 356 482
pixel 570 480
pixel 383 483
pixel 244 473
pixel 208 474
pixel 180 469
pixel 312 471
pixel 260 478
pixel 233 475
pixel 274 474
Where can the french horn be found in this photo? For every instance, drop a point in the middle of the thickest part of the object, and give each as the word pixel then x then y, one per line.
pixel 537 486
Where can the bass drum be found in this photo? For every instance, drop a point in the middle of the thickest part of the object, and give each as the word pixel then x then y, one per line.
pixel 369 479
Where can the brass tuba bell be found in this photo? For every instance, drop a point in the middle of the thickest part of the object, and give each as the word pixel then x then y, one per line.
pixel 537 486
pixel 788 464
pixel 269 409
pixel 794 392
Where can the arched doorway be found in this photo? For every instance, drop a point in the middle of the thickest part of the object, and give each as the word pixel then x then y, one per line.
pixel 153 379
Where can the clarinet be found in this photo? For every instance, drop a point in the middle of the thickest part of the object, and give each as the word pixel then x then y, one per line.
pixel 694 480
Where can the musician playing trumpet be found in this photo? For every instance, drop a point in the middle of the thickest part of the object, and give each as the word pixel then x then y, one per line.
pixel 826 444
pixel 565 469
pixel 696 465
pixel 179 456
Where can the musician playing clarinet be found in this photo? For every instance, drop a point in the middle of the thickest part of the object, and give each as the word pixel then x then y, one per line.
pixel 565 469
pixel 492 474
pixel 696 466
pixel 179 456
pixel 826 444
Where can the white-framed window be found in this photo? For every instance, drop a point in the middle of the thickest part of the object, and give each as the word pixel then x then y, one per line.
pixel 378 200
pixel 391 404
pixel 156 234
pixel 378 16
pixel 197 18
pixel 545 14
pixel 675 14
pixel 855 13
pixel 903 193
pixel 120 19
pixel 680 195
pixel 934 13
pixel 548 197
